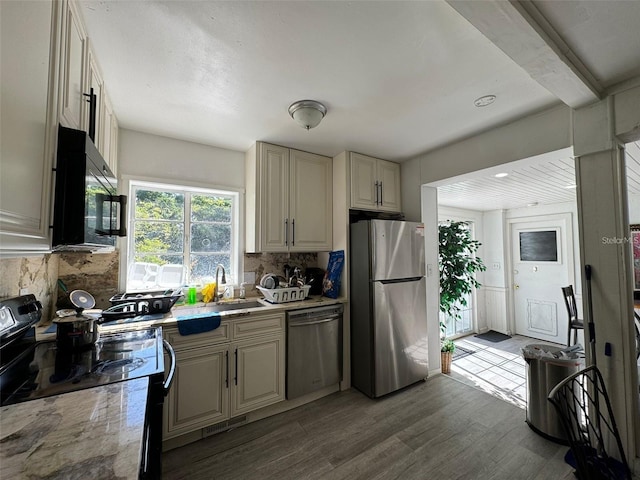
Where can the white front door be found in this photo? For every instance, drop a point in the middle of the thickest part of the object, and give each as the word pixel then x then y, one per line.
pixel 542 259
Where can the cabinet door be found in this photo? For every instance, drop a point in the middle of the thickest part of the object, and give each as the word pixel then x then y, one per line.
pixel 310 206
pixel 199 395
pixel 109 134
pixel 72 68
pixel 94 80
pixel 29 35
pixel 389 177
pixel 363 182
pixel 258 374
pixel 273 174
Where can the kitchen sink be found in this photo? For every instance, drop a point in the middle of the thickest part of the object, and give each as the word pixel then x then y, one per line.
pixel 222 307
pixel 226 307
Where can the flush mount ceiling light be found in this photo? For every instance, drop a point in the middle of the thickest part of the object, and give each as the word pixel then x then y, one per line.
pixel 500 175
pixel 308 113
pixel 484 101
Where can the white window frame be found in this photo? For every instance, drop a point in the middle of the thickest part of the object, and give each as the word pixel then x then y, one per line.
pixel 126 244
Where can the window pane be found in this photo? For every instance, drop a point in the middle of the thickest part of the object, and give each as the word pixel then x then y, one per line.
pixel 151 204
pixel 158 259
pixel 158 237
pixel 209 208
pixel 205 266
pixel 207 237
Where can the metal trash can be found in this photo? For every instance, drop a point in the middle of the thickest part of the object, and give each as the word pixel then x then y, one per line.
pixel 545 371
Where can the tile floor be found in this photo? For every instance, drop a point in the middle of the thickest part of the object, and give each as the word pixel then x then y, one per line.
pixel 496 368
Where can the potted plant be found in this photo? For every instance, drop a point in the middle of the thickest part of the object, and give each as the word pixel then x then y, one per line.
pixel 458 265
pixel 447 347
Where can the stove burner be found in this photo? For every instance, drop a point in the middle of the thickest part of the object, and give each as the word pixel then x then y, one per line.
pixel 116 367
pixel 72 374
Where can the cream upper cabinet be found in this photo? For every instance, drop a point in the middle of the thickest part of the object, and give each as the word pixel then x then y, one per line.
pixel 289 200
pixel 30 35
pixel 375 184
pixel 94 81
pixel 109 134
pixel 310 207
pixel 72 68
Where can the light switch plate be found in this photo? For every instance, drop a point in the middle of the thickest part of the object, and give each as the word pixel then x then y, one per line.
pixel 24 291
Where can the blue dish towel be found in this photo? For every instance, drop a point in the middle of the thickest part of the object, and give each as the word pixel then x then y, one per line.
pixel 200 323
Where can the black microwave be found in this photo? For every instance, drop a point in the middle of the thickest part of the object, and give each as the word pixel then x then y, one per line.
pixel 87 211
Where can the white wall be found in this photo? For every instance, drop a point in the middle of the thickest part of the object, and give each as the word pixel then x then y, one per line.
pixel 533 135
pixel 150 156
pixel 410 190
pixel 634 209
pixel 493 248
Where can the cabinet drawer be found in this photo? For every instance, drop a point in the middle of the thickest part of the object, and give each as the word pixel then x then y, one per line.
pixel 180 342
pixel 250 327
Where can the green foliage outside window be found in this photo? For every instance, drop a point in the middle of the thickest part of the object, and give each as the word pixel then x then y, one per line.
pixel 160 236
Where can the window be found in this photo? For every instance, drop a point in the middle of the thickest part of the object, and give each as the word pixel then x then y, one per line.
pixel 540 246
pixel 178 235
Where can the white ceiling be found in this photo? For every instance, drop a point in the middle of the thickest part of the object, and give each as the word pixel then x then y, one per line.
pixel 529 183
pixel 398 78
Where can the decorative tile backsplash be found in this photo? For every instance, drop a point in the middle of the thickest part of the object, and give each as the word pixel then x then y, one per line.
pixel 98 274
pixel 37 274
pixel 95 273
pixel 262 263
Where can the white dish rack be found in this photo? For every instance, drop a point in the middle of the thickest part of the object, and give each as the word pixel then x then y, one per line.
pixel 284 295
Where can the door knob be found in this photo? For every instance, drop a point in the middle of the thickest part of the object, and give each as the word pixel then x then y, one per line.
pixel 516 286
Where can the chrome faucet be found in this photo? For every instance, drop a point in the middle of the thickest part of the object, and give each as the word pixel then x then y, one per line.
pixel 216 297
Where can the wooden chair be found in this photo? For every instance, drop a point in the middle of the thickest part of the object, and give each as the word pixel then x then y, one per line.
pixel 575 323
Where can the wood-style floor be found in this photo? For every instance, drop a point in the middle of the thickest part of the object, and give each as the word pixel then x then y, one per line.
pixel 440 429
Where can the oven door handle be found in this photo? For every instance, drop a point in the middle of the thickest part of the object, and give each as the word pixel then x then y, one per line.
pixel 172 371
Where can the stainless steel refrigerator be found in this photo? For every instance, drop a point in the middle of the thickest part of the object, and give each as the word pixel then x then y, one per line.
pixel 388 306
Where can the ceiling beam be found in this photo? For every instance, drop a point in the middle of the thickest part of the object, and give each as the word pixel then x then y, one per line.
pixel 520 31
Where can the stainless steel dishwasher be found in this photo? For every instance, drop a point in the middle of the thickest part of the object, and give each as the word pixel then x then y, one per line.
pixel 314 349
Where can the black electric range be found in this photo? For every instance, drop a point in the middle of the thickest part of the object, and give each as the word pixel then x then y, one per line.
pixel 31 370
pixel 42 369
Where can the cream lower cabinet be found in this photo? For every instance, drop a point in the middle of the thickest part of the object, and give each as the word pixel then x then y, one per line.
pixel 259 378
pixel 198 396
pixel 230 371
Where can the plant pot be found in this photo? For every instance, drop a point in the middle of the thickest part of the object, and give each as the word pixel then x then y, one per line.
pixel 445 361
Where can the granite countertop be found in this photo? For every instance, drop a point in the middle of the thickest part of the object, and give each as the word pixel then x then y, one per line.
pixel 95 433
pixel 169 319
